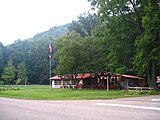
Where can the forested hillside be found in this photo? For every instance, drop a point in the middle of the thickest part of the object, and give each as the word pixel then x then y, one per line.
pixel 32 55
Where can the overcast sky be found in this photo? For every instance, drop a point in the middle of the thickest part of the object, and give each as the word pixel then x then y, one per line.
pixel 22 19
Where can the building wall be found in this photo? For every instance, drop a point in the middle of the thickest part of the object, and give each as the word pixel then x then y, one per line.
pixel 56 83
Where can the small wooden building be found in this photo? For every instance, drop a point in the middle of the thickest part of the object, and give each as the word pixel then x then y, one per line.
pixel 56 82
pixel 102 80
pixel 133 81
pixel 69 81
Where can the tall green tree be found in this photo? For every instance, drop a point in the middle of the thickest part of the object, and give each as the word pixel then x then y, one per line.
pixel 131 34
pixel 93 56
pixel 85 24
pixel 77 54
pixel 116 34
pixel 37 62
pixel 69 54
pixel 9 72
pixel 22 73
pixel 1 59
pixel 148 44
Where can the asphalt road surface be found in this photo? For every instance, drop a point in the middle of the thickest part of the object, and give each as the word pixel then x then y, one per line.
pixel 139 108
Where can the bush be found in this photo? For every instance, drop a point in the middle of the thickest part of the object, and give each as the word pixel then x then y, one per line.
pixel 2 88
pixel 132 93
pixel 15 89
pixel 18 81
pixel 1 82
pixel 152 92
pixel 8 88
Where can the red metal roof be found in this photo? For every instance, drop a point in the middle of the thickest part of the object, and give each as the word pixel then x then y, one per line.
pixel 89 75
pixel 131 76
pixel 79 76
pixel 55 78
pixel 83 76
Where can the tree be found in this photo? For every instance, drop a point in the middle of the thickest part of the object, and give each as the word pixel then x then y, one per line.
pixel 148 44
pixel 22 73
pixel 9 72
pixel 132 35
pixel 116 35
pixel 34 53
pixel 85 24
pixel 1 59
pixel 77 54
pixel 93 56
pixel 69 54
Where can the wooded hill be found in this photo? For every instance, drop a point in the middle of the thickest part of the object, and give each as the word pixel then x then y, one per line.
pixel 32 54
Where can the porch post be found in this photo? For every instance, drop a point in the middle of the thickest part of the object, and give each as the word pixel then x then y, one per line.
pixel 107 84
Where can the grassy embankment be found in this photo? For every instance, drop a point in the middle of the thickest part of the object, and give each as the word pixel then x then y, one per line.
pixel 45 93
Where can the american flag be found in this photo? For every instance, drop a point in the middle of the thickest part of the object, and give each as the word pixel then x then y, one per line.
pixel 50 51
pixel 50 48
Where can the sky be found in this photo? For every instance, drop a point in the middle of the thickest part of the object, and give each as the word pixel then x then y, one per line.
pixel 22 19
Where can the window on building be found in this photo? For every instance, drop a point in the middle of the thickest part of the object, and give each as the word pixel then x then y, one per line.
pixel 57 82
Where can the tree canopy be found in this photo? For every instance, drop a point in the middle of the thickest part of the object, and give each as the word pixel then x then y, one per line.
pixel 132 30
pixel 8 74
pixel 30 56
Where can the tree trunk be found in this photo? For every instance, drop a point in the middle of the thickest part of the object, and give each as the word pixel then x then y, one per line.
pixel 151 74
pixel 139 19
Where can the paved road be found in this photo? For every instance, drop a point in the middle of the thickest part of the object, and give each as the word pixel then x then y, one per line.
pixel 140 108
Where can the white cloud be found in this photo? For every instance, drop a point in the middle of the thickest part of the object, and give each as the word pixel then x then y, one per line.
pixel 21 19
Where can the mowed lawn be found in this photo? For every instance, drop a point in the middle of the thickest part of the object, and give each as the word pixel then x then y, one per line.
pixel 41 92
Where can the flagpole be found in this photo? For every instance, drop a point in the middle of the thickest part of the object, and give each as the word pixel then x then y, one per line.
pixel 50 70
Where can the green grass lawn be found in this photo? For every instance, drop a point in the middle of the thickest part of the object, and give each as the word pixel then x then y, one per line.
pixel 41 92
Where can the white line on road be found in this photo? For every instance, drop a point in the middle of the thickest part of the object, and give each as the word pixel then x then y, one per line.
pixel 155 100
pixel 127 106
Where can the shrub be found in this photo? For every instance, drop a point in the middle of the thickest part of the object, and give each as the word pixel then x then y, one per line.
pixel 18 81
pixel 15 89
pixel 1 82
pixel 134 92
pixel 152 92
pixel 8 88
pixel 2 88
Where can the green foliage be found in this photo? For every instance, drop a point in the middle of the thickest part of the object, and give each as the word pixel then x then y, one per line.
pixel 77 55
pixel 53 32
pixel 85 24
pixel 69 54
pixel 22 74
pixel 1 82
pixel 130 31
pixel 130 93
pixel 8 88
pixel 33 53
pixel 125 40
pixel 152 92
pixel 1 59
pixel 148 43
pixel 18 82
pixel 9 72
